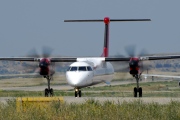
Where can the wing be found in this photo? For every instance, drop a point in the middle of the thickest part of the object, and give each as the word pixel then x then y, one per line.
pixel 58 59
pixel 160 57
pixel 74 59
pixel 64 59
pixel 111 59
pixel 18 58
pixel 116 59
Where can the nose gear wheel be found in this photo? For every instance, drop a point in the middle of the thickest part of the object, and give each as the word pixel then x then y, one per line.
pixel 77 92
pixel 137 89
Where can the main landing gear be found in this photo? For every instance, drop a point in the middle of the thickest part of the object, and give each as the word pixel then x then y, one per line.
pixel 137 89
pixel 48 91
pixel 77 92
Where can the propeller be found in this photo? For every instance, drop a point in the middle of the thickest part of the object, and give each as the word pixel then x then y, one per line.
pixel 131 52
pixel 46 52
pixel 124 66
pixel 33 53
pixel 121 66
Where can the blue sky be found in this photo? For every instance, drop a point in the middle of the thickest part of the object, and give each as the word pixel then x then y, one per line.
pixel 35 23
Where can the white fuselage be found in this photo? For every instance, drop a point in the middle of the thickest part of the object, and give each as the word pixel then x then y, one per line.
pixel 87 72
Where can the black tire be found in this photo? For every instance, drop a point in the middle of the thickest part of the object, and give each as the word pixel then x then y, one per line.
pixel 79 93
pixel 51 92
pixel 135 92
pixel 76 94
pixel 46 92
pixel 140 92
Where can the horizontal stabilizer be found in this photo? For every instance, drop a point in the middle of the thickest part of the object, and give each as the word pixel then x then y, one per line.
pixel 112 20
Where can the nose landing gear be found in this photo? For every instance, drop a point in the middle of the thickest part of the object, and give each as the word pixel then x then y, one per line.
pixel 137 89
pixel 48 92
pixel 77 92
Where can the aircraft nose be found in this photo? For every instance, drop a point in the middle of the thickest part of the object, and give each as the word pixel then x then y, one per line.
pixel 77 79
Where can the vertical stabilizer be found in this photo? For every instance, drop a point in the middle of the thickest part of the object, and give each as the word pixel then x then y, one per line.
pixel 106 32
pixel 106 38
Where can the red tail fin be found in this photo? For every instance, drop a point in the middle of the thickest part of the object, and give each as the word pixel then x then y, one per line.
pixel 106 38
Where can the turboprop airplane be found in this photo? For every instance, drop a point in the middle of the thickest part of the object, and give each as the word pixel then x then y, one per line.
pixel 88 71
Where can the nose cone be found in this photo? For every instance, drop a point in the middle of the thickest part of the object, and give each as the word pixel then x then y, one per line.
pixel 131 63
pixel 79 79
pixel 43 64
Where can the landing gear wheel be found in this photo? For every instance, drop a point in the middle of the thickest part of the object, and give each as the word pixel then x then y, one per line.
pixel 135 92
pixel 76 93
pixel 51 92
pixel 46 92
pixel 79 93
pixel 140 92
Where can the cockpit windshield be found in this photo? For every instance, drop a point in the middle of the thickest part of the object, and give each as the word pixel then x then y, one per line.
pixel 73 69
pixel 79 68
pixel 83 68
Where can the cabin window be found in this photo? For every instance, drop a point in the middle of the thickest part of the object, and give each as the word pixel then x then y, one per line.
pixel 73 69
pixel 83 68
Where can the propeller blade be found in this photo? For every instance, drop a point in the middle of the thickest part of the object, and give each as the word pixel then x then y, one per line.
pixel 130 50
pixel 143 52
pixel 144 66
pixel 46 51
pixel 33 53
pixel 118 55
pixel 120 66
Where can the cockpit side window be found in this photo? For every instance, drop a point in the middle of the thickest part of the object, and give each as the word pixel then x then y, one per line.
pixel 69 68
pixel 89 68
pixel 73 69
pixel 82 68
